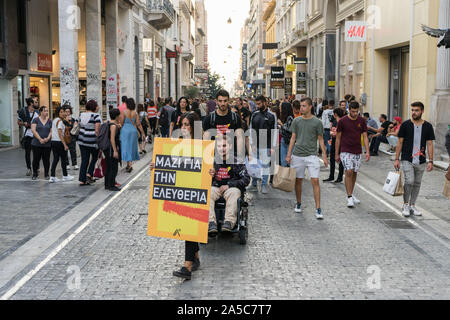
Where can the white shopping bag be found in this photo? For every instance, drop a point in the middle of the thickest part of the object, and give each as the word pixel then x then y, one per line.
pixel 254 169
pixel 392 182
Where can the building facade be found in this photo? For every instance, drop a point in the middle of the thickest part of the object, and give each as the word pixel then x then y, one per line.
pixel 96 49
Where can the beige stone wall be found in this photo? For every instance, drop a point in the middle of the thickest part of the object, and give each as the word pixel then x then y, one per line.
pixel 400 26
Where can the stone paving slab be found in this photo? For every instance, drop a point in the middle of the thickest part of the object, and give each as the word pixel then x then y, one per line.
pixel 288 256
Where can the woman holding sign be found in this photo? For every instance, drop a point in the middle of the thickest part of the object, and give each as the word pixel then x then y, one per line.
pixel 192 259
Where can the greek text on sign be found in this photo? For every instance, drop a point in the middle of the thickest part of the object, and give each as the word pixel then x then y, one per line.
pixel 355 31
pixel 180 189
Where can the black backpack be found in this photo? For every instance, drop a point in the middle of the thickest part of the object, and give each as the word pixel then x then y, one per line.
pixel 103 138
pixel 164 118
pixel 234 119
pixel 286 133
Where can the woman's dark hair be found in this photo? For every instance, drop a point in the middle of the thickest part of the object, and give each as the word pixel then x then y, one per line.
pixel 152 103
pixel 29 101
pixel 195 105
pixel 114 113
pixel 42 108
pixel 91 105
pixel 276 110
pixel 191 117
pixel 131 105
pixel 286 112
pixel 140 107
pixel 339 112
pixel 58 111
pixel 67 107
pixel 179 104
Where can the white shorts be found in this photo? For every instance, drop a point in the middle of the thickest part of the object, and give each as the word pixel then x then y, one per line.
pixel 351 161
pixel 300 164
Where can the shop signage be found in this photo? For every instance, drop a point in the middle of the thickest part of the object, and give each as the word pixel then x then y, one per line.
pixel 300 60
pixel 45 62
pixel 290 68
pixel 112 91
pixel 244 62
pixel 287 86
pixel 277 72
pixel 301 83
pixel 269 46
pixel 171 54
pixel 355 31
pixel 277 84
pixel 200 71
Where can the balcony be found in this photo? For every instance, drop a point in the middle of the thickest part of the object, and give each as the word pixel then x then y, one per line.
pixel 162 13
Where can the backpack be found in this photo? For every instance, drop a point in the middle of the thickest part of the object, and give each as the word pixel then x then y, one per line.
pixel 67 137
pixel 234 119
pixel 286 130
pixel 103 138
pixel 164 118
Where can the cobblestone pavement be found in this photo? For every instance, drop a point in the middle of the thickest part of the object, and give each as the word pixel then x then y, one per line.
pixel 288 255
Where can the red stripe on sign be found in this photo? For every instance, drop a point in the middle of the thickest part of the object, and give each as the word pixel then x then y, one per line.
pixel 185 211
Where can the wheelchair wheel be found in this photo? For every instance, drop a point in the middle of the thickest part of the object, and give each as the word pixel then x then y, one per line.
pixel 243 236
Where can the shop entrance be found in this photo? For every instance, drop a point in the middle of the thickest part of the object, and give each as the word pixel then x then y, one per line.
pixel 40 88
pixel 399 82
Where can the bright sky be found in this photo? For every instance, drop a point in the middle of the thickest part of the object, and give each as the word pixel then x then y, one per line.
pixel 221 35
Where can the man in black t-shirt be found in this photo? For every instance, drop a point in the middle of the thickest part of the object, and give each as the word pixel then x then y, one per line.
pixel 224 121
pixel 380 136
pixel 414 138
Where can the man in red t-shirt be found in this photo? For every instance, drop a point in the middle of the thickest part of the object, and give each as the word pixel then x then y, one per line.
pixel 348 143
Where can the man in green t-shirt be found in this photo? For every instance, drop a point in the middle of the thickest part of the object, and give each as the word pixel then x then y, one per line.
pixel 306 131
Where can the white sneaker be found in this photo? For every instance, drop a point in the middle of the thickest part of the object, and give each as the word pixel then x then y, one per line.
pixel 76 168
pixel 356 200
pixel 406 210
pixel 53 180
pixel 350 202
pixel 415 211
pixel 68 178
pixel 68 167
pixel 298 208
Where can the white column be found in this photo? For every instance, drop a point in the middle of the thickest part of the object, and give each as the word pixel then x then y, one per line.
pixel 93 52
pixel 443 56
pixel 173 88
pixel 112 52
pixel 69 23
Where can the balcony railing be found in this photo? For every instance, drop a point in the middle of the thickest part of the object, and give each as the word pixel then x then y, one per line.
pixel 162 13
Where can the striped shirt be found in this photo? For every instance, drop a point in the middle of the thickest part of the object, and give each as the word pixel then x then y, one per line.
pixel 87 136
pixel 151 111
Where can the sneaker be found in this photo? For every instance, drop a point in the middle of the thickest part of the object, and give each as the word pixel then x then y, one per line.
pixel 53 180
pixel 319 214
pixel 298 208
pixel 76 167
pixel 47 177
pixel 115 189
pixel 118 185
pixel 34 178
pixel 227 227
pixel 264 189
pixel 328 180
pixel 183 273
pixel 415 212
pixel 338 180
pixel 28 172
pixel 68 167
pixel 356 200
pixel 196 265
pixel 406 210
pixel 67 178
pixel 350 202
pixel 212 229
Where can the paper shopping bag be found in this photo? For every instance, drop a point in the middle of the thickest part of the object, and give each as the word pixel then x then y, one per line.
pixel 284 179
pixel 399 190
pixel 446 191
pixel 392 180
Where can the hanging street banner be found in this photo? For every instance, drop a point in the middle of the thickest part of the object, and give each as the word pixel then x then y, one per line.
pixel 277 73
pixel 244 62
pixel 355 31
pixel 180 189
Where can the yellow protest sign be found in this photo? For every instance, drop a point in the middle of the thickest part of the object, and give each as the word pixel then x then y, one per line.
pixel 180 189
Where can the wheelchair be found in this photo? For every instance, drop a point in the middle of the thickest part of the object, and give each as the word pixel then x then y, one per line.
pixel 241 227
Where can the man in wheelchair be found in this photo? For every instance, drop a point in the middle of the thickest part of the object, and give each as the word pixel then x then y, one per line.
pixel 229 181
